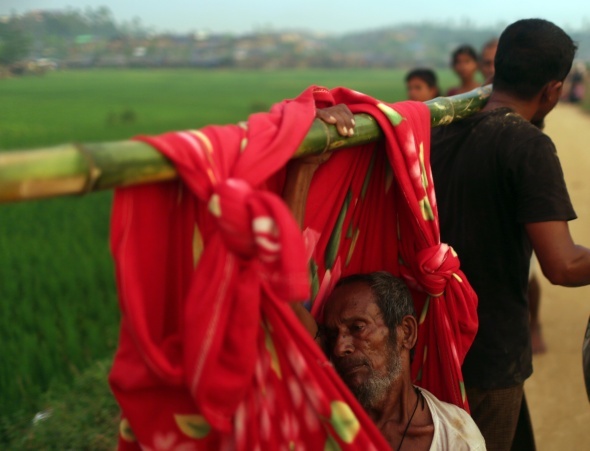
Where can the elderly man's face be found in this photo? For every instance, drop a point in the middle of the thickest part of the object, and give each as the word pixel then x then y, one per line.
pixel 359 343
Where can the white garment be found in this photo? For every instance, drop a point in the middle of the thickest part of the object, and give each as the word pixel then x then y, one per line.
pixel 454 429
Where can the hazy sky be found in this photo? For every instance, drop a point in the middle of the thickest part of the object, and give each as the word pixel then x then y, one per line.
pixel 241 16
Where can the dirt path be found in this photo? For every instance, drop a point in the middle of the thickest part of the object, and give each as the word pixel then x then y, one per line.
pixel 557 398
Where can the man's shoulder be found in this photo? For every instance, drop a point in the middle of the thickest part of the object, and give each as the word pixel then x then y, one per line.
pixel 497 132
pixel 506 122
pixel 453 427
pixel 500 121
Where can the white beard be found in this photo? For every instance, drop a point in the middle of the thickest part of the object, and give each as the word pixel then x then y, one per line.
pixel 373 391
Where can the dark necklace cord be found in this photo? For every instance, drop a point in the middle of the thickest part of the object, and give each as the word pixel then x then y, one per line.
pixel 418 396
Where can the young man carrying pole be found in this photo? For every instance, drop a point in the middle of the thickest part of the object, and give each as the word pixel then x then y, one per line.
pixel 501 193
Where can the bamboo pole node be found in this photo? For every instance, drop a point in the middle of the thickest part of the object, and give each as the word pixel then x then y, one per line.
pixel 452 108
pixel 93 171
pixel 328 137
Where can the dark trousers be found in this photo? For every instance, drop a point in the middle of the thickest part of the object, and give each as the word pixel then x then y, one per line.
pixel 503 418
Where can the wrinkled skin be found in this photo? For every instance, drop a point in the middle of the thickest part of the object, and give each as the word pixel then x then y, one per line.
pixel 359 343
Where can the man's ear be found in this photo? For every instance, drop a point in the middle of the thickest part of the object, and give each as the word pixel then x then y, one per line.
pixel 552 92
pixel 409 330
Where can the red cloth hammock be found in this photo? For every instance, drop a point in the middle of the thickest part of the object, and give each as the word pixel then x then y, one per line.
pixel 210 354
pixel 383 216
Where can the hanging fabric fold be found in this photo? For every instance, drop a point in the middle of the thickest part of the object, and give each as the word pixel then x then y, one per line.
pixel 377 207
pixel 210 354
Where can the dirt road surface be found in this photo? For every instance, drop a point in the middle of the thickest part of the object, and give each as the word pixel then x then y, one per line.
pixel 556 394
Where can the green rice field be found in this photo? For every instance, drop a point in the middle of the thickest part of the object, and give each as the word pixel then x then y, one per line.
pixel 58 307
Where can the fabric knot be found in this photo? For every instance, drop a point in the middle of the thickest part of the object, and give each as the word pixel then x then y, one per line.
pixel 229 205
pixel 434 267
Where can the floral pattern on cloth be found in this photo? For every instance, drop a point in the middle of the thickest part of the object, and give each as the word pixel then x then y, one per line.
pixel 210 354
pixel 381 210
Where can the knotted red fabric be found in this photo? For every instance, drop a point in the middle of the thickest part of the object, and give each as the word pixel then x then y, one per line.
pixel 380 213
pixel 210 354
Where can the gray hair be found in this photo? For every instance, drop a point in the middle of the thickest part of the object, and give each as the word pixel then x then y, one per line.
pixel 391 295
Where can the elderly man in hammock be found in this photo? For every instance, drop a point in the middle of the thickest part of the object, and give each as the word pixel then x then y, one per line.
pixel 368 329
pixel 368 333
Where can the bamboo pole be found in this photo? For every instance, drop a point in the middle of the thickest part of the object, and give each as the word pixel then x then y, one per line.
pixel 82 168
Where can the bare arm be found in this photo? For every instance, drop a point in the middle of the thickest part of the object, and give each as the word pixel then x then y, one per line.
pixel 340 116
pixel 305 318
pixel 563 262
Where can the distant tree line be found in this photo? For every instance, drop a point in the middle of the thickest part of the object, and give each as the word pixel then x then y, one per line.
pixel 93 38
pixel 14 44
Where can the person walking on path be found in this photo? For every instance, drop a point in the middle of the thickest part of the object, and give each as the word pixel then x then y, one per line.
pixel 464 64
pixel 487 69
pixel 501 193
pixel 422 85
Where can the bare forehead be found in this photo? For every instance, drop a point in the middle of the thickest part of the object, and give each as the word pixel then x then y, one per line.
pixel 417 81
pixel 349 302
pixel 463 57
